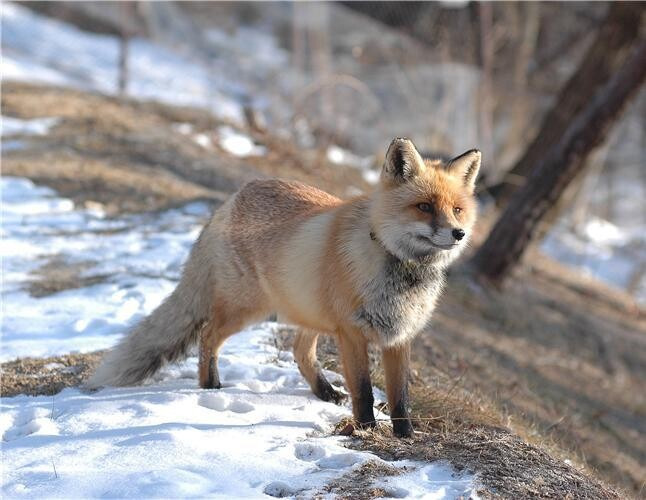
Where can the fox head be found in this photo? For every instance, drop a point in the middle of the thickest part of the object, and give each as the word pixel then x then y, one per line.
pixel 425 209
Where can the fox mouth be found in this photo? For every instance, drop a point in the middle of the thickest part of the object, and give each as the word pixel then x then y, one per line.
pixel 429 241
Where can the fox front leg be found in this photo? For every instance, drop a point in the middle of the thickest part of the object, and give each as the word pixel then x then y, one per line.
pixel 356 368
pixel 395 361
pixel 305 355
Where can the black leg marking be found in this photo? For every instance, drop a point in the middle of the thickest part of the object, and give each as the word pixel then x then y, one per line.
pixel 325 391
pixel 364 405
pixel 402 426
pixel 213 382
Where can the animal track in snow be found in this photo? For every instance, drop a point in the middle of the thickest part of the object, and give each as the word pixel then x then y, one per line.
pixel 279 489
pixel 33 421
pixel 339 460
pixel 222 402
pixel 240 406
pixel 308 452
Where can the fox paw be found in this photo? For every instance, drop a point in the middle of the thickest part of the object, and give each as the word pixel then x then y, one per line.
pixel 326 392
pixel 333 395
pixel 402 428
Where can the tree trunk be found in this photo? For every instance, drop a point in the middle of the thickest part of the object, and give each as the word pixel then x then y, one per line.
pixel 557 166
pixel 604 57
pixel 485 114
pixel 126 11
pixel 123 64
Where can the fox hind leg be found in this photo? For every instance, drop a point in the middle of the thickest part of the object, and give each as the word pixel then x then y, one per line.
pixel 212 337
pixel 305 355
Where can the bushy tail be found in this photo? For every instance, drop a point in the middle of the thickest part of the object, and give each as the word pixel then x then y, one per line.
pixel 165 335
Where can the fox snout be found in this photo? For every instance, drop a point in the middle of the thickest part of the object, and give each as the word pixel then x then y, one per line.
pixel 447 237
pixel 458 234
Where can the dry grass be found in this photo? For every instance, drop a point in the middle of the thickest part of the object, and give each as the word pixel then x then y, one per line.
pixel 566 369
pixel 359 483
pixel 38 376
pixel 129 156
pixel 511 458
pixel 505 465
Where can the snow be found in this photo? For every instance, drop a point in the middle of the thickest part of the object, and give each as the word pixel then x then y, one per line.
pixel 264 434
pixel 36 126
pixel 39 49
pixel 603 232
pixel 238 144
pixel 601 250
pixel 134 259
pixel 340 156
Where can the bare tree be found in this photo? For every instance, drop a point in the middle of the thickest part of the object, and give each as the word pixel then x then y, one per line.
pixel 127 11
pixel 558 165
pixel 604 57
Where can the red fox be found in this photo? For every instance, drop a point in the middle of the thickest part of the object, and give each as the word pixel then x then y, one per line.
pixel 367 270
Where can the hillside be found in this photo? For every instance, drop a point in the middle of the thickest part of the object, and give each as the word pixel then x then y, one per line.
pixel 540 400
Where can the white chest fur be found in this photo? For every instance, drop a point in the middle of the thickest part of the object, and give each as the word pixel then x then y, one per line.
pixel 399 301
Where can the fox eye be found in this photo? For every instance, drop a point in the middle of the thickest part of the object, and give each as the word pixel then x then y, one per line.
pixel 425 207
pixel 457 210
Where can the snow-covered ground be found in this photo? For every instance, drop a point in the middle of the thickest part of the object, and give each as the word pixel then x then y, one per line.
pixel 133 262
pixel 15 126
pixel 263 434
pixel 39 49
pixel 602 250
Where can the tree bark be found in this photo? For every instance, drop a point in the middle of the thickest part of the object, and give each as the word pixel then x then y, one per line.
pixel 604 57
pixel 557 166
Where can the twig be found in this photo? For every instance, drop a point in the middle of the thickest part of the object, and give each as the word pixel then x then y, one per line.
pixel 554 424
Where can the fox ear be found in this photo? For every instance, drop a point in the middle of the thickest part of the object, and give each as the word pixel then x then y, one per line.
pixel 403 162
pixel 466 167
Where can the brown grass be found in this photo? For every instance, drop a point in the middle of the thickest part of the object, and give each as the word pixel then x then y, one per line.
pixel 359 483
pixel 32 375
pixel 568 369
pixel 505 465
pixel 511 458
pixel 128 155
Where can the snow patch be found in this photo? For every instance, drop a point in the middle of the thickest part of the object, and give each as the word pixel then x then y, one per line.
pixel 238 144
pixel 603 232
pixel 16 126
pixel 340 156
pixel 203 140
pixel 437 480
pixel 601 250
pixel 134 260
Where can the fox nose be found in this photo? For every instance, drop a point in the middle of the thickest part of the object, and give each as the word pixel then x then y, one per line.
pixel 458 234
